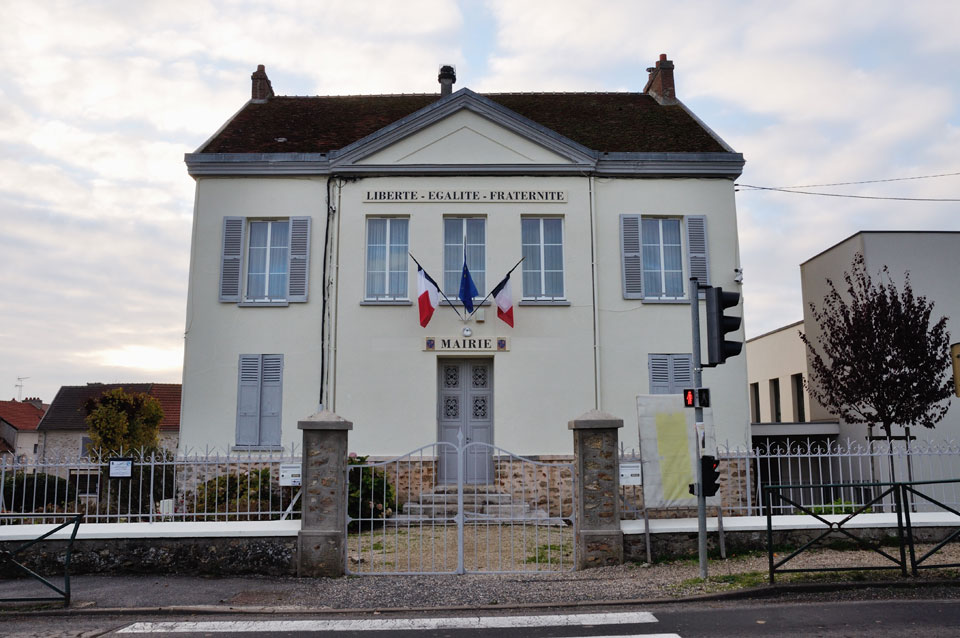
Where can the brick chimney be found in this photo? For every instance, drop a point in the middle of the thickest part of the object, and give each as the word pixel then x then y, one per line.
pixel 447 77
pixel 660 82
pixel 35 402
pixel 261 90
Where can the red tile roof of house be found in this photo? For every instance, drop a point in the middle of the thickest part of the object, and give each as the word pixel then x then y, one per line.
pixel 67 411
pixel 168 394
pixel 21 415
pixel 605 122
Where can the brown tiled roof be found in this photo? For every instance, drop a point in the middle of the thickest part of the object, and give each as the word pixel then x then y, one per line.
pixel 66 412
pixel 605 122
pixel 21 415
pixel 168 394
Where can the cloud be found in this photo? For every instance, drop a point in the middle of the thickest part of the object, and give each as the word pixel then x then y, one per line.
pixel 101 100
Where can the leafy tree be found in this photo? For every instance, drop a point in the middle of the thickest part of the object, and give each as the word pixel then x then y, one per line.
pixel 124 420
pixel 880 359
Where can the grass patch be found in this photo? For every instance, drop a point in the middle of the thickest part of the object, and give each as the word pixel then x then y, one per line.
pixel 722 582
pixel 549 554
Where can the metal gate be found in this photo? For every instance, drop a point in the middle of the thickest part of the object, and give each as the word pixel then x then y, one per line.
pixel 401 519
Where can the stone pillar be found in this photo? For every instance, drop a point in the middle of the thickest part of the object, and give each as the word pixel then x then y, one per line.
pixel 596 460
pixel 321 543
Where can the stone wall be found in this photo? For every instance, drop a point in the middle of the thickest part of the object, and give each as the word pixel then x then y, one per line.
pixel 544 485
pixel 272 556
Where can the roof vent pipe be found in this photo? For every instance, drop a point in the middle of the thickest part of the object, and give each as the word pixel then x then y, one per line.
pixel 447 77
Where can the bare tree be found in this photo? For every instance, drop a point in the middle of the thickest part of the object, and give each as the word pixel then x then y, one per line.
pixel 880 359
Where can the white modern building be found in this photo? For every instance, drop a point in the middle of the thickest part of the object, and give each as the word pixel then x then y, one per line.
pixel 777 361
pixel 302 293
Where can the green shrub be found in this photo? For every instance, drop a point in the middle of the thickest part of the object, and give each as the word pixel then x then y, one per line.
pixel 37 493
pixel 239 496
pixel 370 497
pixel 839 506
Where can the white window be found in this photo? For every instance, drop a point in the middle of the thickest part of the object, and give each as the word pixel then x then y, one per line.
pixel 265 261
pixel 656 262
pixel 542 245
pixel 268 255
pixel 662 258
pixel 259 399
pixel 464 236
pixel 386 258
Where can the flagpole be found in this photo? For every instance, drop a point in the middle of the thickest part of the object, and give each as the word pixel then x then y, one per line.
pixel 509 272
pixel 439 289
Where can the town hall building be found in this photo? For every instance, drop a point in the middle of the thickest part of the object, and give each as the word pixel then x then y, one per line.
pixel 313 213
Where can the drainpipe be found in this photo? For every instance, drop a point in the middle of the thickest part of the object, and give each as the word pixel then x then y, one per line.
pixel 324 341
pixel 336 301
pixel 596 311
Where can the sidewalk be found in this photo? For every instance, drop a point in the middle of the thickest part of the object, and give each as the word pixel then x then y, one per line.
pixel 665 582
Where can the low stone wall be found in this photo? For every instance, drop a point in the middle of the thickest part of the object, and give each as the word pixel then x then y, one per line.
pixel 540 481
pixel 271 556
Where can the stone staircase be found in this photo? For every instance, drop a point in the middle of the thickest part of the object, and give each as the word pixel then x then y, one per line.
pixel 480 502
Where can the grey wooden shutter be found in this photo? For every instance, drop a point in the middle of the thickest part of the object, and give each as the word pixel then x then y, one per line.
pixel 658 366
pixel 271 395
pixel 248 400
pixel 299 259
pixel 681 372
pixel 698 262
pixel 231 259
pixel 630 254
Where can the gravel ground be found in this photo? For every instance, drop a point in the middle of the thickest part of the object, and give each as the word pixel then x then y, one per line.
pixel 663 581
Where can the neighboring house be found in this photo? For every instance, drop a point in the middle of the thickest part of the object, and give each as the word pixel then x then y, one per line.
pixel 19 438
pixel 933 260
pixel 777 361
pixel 779 402
pixel 302 293
pixel 64 428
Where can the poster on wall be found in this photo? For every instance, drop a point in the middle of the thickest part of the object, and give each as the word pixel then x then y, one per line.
pixel 668 450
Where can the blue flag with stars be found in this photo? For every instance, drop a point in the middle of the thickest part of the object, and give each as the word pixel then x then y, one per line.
pixel 468 290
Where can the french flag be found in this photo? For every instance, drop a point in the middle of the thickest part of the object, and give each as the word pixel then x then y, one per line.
pixel 428 295
pixel 503 295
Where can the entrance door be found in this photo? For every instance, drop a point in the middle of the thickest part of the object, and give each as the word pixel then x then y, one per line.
pixel 465 403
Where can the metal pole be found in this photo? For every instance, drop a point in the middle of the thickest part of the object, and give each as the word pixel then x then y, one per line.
pixel 698 412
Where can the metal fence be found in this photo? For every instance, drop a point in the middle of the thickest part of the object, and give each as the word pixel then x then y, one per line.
pixel 813 467
pixel 161 487
pixel 417 514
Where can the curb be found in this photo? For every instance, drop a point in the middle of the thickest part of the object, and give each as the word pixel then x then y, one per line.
pixel 739 594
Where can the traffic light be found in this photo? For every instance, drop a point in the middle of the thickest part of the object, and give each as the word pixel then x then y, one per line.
pixel 719 324
pixel 703 397
pixel 710 474
pixel 696 398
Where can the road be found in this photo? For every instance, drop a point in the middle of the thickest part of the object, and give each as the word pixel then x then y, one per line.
pixel 876 619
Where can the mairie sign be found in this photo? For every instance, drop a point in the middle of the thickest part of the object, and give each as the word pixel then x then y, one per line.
pixel 466 344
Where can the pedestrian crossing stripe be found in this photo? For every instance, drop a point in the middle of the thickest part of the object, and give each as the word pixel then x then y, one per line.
pixel 392 624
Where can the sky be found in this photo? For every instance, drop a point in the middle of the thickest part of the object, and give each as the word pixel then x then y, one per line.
pixel 100 100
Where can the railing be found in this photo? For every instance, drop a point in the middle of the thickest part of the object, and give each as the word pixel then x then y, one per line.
pixel 816 468
pixel 162 487
pixel 905 497
pixel 9 559
pixel 444 508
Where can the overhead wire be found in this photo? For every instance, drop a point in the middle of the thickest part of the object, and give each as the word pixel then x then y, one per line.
pixel 793 189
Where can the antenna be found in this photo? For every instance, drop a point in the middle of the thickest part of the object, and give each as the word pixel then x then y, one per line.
pixel 19 387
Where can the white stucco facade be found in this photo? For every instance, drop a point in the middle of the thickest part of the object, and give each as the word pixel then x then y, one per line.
pixel 932 259
pixel 368 360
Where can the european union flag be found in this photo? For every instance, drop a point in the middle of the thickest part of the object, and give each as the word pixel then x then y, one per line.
pixel 468 290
